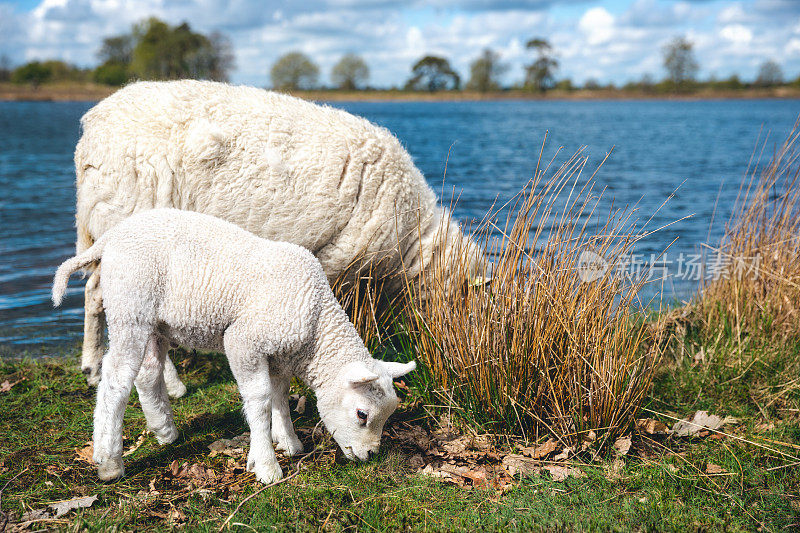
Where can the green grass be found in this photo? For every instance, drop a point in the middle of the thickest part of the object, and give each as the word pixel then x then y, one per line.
pixel 45 418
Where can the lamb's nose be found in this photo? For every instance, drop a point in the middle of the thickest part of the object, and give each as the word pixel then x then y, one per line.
pixel 86 371
pixel 370 455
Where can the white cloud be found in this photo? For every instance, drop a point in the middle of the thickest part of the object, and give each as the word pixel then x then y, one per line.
pixel 737 34
pixel 597 25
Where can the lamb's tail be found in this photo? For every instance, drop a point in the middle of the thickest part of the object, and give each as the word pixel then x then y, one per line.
pixel 69 266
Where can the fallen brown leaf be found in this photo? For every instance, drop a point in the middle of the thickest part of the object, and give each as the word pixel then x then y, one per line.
pixel 6 385
pixel 651 426
pixel 58 509
pixel 234 447
pixel 85 454
pixel 711 468
pixel 560 473
pixel 519 464
pixel 300 408
pixel 699 422
pixel 622 445
pixel 614 469
pixel 564 455
pixel 137 444
pixel 541 451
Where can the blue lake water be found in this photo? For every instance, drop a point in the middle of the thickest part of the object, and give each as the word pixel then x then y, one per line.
pixel 700 148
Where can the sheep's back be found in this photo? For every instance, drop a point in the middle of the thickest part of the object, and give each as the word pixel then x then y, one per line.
pixel 277 166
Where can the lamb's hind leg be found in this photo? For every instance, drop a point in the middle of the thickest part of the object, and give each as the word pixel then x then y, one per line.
pixel 153 392
pixel 282 429
pixel 93 325
pixel 121 364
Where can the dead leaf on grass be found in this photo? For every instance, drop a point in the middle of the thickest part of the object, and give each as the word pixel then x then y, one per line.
pixel 711 468
pixel 615 468
pixel 701 421
pixel 6 385
pixel 622 445
pixel 416 462
pixel 519 464
pixel 137 444
pixel 58 509
pixel 541 451
pixel 300 408
pixel 234 447
pixel 86 453
pixel 564 455
pixel 560 473
pixel 651 426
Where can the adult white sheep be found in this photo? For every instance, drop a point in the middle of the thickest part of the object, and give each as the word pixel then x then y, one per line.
pixel 277 166
pixel 175 276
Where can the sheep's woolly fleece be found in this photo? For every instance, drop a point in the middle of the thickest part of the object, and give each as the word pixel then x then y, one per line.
pixel 176 276
pixel 280 167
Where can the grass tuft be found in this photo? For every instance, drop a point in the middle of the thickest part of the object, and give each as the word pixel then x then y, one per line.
pixel 551 344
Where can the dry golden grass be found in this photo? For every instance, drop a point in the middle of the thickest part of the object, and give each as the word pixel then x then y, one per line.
pixel 759 293
pixel 539 349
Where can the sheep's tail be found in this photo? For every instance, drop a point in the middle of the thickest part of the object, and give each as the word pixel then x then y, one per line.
pixel 82 260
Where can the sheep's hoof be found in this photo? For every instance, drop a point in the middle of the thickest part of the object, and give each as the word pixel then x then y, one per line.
pixel 176 389
pixel 166 435
pixel 110 469
pixel 290 445
pixel 266 473
pixel 92 375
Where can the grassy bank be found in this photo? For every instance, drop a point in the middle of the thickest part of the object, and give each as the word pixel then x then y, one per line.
pixel 67 91
pixel 663 483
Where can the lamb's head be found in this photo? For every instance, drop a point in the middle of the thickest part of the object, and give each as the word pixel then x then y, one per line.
pixel 356 404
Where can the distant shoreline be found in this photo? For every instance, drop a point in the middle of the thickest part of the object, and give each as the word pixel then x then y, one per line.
pixel 58 92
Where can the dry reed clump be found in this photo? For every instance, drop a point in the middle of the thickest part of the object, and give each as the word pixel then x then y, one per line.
pixel 758 293
pixel 551 344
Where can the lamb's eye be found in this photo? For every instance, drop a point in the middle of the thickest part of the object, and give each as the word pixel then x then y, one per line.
pixel 362 416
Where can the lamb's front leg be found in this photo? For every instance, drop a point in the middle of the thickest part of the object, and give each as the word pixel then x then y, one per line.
pixel 282 429
pixel 252 374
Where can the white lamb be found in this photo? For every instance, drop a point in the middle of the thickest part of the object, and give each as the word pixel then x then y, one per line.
pixel 280 167
pixel 176 276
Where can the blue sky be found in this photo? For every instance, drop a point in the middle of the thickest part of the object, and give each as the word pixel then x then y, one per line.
pixel 612 40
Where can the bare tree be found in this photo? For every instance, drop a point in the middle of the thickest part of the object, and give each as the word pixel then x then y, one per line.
pixel 350 73
pixel 485 72
pixel 769 74
pixel 5 68
pixel 294 71
pixel 680 62
pixel 540 75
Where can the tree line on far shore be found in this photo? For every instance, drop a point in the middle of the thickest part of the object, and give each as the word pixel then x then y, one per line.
pixel 155 50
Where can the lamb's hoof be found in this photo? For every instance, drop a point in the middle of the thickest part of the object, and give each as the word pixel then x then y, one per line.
pixel 266 473
pixel 176 389
pixel 166 435
pixel 290 445
pixel 110 469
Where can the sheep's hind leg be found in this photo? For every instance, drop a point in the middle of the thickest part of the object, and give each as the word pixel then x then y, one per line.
pixel 175 387
pixel 282 429
pixel 93 325
pixel 153 392
pixel 120 366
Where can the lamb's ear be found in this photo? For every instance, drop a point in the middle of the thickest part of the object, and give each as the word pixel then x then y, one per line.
pixel 358 374
pixel 399 369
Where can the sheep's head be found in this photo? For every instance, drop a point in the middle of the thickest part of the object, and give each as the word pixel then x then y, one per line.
pixel 358 403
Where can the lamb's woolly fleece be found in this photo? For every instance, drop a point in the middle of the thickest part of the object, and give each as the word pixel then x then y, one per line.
pixel 280 167
pixel 176 276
